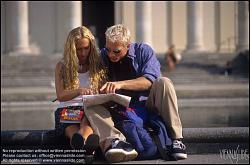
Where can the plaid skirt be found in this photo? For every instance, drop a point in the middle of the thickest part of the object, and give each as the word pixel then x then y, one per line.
pixel 60 127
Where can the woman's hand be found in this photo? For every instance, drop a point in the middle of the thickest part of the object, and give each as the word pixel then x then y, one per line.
pixel 85 91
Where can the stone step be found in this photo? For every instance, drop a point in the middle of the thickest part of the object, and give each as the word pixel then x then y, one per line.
pixel 218 140
pixel 198 158
pixel 44 93
pixel 28 94
pixel 221 112
pixel 214 112
pixel 30 81
pixel 48 61
pixel 39 70
pixel 41 63
pixel 189 78
pixel 212 90
pixel 38 79
pixel 27 115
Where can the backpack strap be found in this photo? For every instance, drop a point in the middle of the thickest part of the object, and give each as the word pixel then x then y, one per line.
pixel 163 152
pixel 158 132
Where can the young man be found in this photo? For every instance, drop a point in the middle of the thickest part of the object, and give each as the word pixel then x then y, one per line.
pixel 135 71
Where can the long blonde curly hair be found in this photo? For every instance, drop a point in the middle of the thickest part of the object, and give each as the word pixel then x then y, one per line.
pixel 69 71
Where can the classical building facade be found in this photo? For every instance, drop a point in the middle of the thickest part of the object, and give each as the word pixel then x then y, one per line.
pixel 40 28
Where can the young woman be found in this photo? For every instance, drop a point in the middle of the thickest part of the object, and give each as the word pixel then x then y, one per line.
pixel 80 72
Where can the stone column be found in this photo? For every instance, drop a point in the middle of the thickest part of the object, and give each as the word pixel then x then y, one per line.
pixel 68 16
pixel 169 25
pixel 217 26
pixel 243 26
pixel 144 22
pixel 75 14
pixel 3 27
pixel 194 27
pixel 118 12
pixel 19 28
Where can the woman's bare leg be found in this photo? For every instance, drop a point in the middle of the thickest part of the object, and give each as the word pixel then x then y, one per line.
pixel 71 130
pixel 85 129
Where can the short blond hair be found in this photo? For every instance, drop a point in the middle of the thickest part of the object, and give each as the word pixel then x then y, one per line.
pixel 118 33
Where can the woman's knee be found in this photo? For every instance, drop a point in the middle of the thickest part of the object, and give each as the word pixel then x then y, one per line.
pixel 70 130
pixel 84 122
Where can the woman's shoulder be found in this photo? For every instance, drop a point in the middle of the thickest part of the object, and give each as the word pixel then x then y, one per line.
pixel 59 65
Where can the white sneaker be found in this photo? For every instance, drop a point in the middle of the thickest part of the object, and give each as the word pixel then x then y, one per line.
pixel 178 150
pixel 120 151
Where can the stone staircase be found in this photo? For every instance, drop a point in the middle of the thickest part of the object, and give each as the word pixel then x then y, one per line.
pixel 214 108
pixel 206 97
pixel 27 89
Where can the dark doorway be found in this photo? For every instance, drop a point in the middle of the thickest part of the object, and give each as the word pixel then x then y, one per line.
pixel 98 16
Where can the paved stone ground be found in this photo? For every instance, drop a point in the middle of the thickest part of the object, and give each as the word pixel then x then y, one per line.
pixel 196 159
pixel 192 159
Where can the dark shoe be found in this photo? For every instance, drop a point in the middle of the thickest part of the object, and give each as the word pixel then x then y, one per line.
pixel 178 150
pixel 91 144
pixel 120 151
pixel 77 141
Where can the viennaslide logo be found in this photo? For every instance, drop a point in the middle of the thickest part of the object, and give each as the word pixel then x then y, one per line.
pixel 235 154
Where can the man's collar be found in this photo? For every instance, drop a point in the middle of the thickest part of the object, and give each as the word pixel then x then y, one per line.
pixel 131 50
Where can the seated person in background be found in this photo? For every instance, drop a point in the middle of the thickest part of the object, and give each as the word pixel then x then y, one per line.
pixel 172 58
pixel 228 68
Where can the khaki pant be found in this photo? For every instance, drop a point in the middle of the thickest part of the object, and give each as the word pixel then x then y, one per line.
pixel 162 99
pixel 102 124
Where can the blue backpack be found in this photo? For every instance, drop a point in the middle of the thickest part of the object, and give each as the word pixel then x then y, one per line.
pixel 146 131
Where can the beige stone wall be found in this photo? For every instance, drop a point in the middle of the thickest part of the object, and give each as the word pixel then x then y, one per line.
pixel 128 16
pixel 179 24
pixel 42 31
pixel 227 26
pixel 159 26
pixel 48 22
pixel 209 25
pixel 48 27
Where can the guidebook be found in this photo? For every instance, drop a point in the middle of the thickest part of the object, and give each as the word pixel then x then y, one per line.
pixel 89 100
pixel 69 115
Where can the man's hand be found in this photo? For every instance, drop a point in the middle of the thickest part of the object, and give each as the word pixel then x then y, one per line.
pixel 110 87
pixel 138 84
